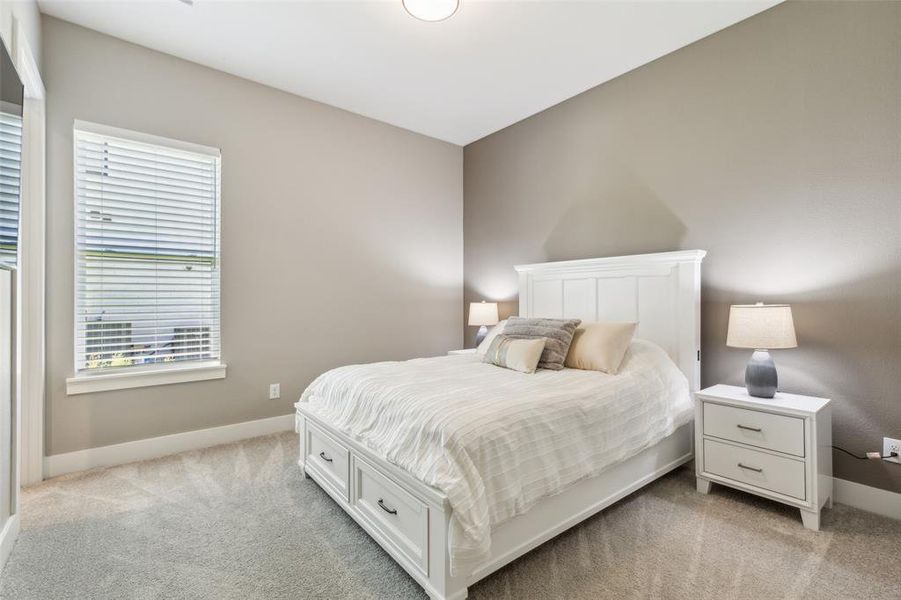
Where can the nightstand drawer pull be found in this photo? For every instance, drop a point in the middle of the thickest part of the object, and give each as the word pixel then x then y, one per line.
pixel 755 469
pixel 325 457
pixel 746 428
pixel 390 511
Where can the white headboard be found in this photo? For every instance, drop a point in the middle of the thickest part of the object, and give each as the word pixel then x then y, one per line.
pixel 661 291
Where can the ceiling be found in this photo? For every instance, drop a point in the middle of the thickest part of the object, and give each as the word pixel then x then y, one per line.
pixel 493 63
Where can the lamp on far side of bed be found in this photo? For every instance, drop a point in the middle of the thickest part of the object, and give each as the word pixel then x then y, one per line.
pixel 482 314
pixel 763 327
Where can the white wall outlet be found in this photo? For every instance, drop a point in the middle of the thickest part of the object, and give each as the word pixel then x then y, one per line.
pixel 275 391
pixel 888 446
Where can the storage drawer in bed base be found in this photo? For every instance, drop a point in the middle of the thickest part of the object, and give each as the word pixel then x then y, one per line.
pixel 416 536
pixel 328 461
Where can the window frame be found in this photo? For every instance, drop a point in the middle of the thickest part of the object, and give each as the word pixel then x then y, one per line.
pixel 84 381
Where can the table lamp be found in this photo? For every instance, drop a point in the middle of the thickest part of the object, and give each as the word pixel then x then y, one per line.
pixel 763 327
pixel 482 314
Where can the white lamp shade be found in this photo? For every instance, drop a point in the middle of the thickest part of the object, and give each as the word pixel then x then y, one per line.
pixel 761 326
pixel 483 313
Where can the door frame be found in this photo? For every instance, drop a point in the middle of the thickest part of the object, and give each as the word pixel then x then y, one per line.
pixel 30 353
pixel 10 530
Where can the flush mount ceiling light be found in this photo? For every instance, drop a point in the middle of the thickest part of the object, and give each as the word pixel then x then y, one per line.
pixel 431 10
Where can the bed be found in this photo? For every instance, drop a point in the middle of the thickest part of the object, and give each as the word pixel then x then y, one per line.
pixel 456 467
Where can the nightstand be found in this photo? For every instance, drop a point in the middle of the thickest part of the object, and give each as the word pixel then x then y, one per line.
pixel 779 448
pixel 464 351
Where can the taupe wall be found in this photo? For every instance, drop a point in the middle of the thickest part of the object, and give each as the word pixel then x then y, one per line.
pixel 341 236
pixel 776 146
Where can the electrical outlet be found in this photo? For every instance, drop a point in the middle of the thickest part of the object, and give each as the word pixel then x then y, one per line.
pixel 275 391
pixel 888 446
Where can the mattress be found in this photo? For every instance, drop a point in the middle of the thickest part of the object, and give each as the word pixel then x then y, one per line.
pixel 496 441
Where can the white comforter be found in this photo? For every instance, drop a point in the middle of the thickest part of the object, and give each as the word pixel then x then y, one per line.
pixel 496 441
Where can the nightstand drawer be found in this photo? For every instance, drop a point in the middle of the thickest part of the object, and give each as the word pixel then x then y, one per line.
pixel 752 467
pixel 765 430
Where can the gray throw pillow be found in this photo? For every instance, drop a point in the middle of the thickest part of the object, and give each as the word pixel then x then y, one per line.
pixel 559 334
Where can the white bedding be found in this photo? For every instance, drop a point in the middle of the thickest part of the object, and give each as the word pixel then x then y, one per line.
pixel 496 441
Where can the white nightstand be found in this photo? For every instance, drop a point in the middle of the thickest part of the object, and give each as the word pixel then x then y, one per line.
pixel 780 448
pixel 464 351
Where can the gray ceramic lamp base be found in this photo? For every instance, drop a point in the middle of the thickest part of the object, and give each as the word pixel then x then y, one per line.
pixel 483 331
pixel 760 375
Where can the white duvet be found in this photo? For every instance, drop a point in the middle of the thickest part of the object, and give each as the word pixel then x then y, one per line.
pixel 496 441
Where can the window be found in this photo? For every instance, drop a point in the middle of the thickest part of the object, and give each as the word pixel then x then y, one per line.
pixel 147 256
pixel 10 176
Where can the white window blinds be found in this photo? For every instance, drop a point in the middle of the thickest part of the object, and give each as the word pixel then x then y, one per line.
pixel 10 176
pixel 147 250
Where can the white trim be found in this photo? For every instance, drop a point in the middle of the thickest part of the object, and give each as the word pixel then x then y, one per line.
pixel 8 344
pixel 27 67
pixel 32 266
pixel 144 377
pixel 79 357
pixel 868 498
pixel 634 260
pixel 145 138
pixel 119 454
pixel 8 538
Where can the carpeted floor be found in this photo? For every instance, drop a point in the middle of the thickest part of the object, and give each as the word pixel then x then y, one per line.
pixel 240 522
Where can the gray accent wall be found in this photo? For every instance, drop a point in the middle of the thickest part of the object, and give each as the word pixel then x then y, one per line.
pixel 341 236
pixel 775 145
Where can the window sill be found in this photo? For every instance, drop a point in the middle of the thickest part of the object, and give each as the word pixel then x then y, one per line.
pixel 104 382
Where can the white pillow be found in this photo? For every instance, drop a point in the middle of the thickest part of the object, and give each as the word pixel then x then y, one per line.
pixel 492 333
pixel 519 354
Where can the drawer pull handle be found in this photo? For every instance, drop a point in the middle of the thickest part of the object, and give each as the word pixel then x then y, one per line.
pixel 325 457
pixel 755 469
pixel 390 511
pixel 745 427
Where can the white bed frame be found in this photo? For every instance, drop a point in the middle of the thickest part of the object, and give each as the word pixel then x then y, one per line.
pixel 661 291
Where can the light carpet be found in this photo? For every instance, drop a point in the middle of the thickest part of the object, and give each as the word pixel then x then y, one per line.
pixel 240 522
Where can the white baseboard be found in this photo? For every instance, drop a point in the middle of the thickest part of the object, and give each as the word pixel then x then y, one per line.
pixel 868 498
pixel 8 538
pixel 118 454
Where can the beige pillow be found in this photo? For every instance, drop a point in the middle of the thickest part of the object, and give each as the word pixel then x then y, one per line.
pixel 492 333
pixel 600 346
pixel 519 354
